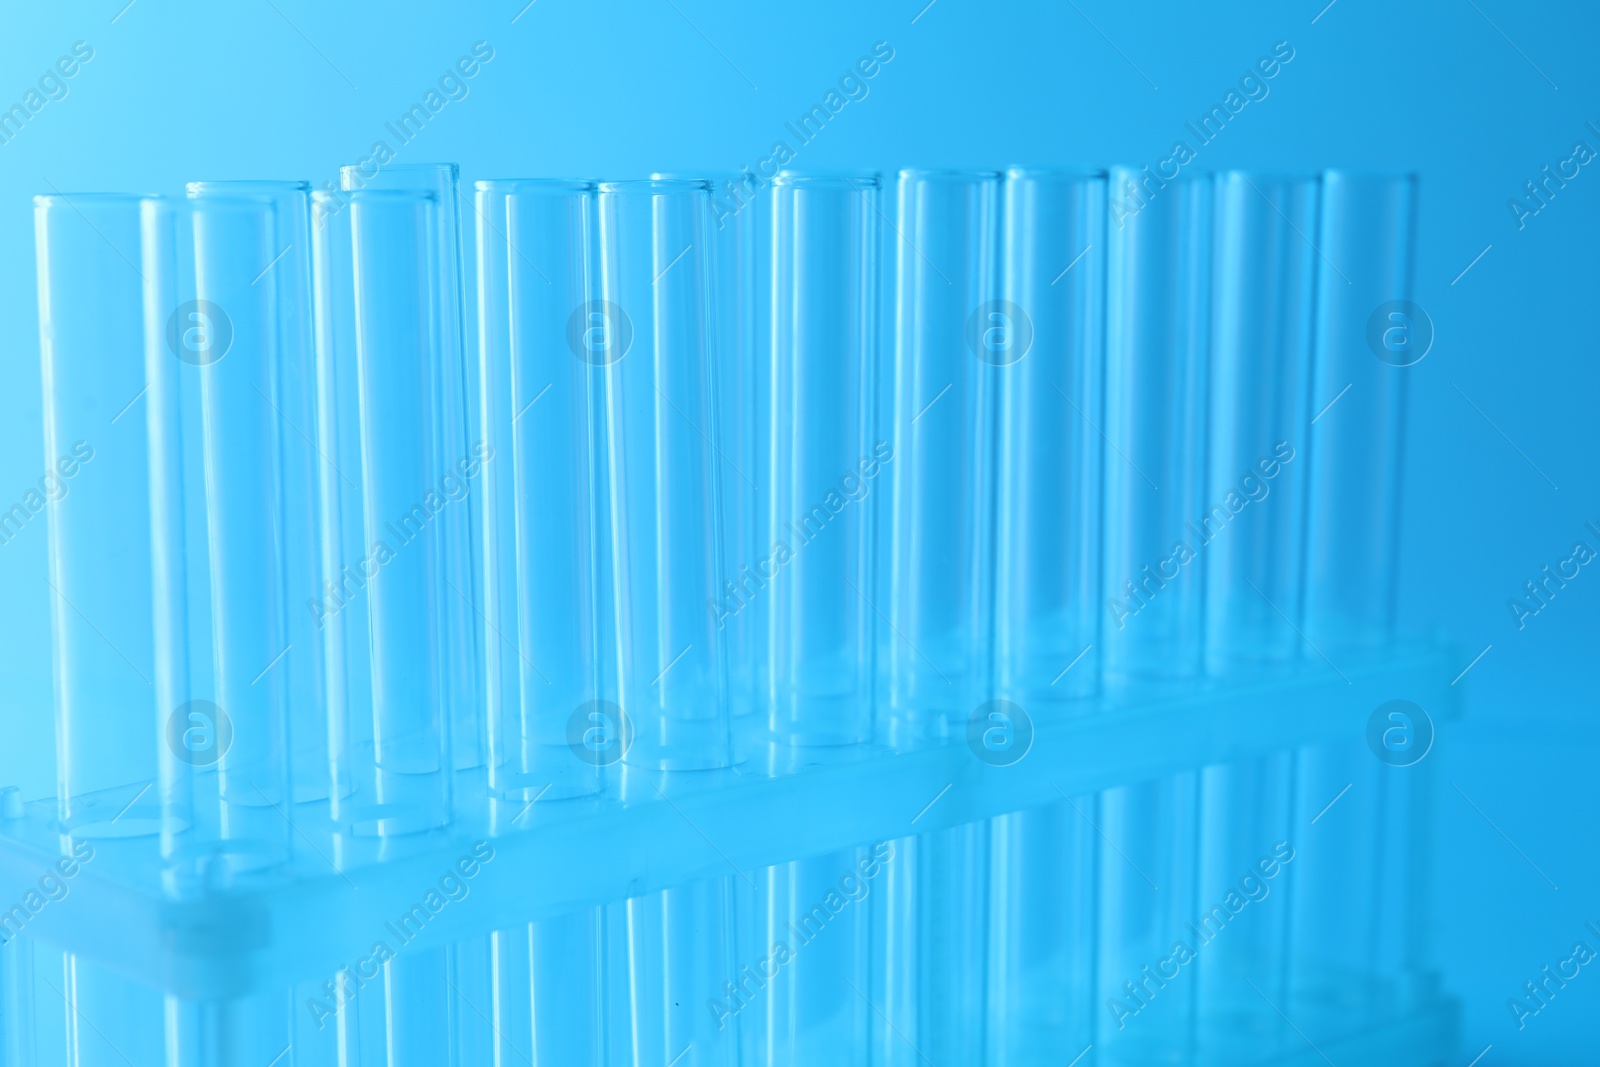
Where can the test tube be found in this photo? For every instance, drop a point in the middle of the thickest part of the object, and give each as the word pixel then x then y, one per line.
pixel 462 626
pixel 1253 521
pixel 1158 301
pixel 288 272
pixel 1367 332
pixel 825 457
pixel 939 545
pixel 109 723
pixel 664 472
pixel 537 332
pixel 740 280
pixel 345 551
pixel 396 747
pixel 179 333
pixel 258 522
pixel 1046 337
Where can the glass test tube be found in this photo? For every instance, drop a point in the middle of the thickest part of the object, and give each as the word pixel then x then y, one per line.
pixel 395 742
pixel 259 522
pixel 1266 269
pixel 940 570
pixel 740 282
pixel 1367 233
pixel 180 333
pixel 825 457
pixel 289 274
pixel 109 725
pixel 346 555
pixel 1047 337
pixel 462 626
pixel 538 328
pixel 664 472
pixel 1158 299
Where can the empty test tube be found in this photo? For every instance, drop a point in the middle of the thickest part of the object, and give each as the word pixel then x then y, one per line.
pixel 462 619
pixel 664 472
pixel 939 567
pixel 1158 301
pixel 1046 337
pixel 92 338
pixel 257 521
pixel 740 285
pixel 538 326
pixel 1254 508
pixel 826 457
pixel 395 747
pixel 1368 331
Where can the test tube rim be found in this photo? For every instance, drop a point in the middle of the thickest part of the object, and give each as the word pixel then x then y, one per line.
pixel 453 169
pixel 948 174
pixel 323 196
pixel 242 188
pixel 633 186
pixel 51 200
pixel 1181 177
pixel 535 185
pixel 1038 173
pixel 866 179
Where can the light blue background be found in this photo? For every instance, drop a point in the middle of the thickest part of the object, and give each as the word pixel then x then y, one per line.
pixel 263 88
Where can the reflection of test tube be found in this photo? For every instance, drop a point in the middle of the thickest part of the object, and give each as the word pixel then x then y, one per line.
pixel 938 663
pixel 547 991
pixel 92 339
pixel 1048 340
pixel 539 498
pixel 1147 898
pixel 672 972
pixel 825 456
pixel 664 471
pixel 461 616
pixel 1260 369
pixel 818 910
pixel 396 747
pixel 1158 298
pixel 1042 935
pixel 1366 235
pixel 930 961
pixel 1245 833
